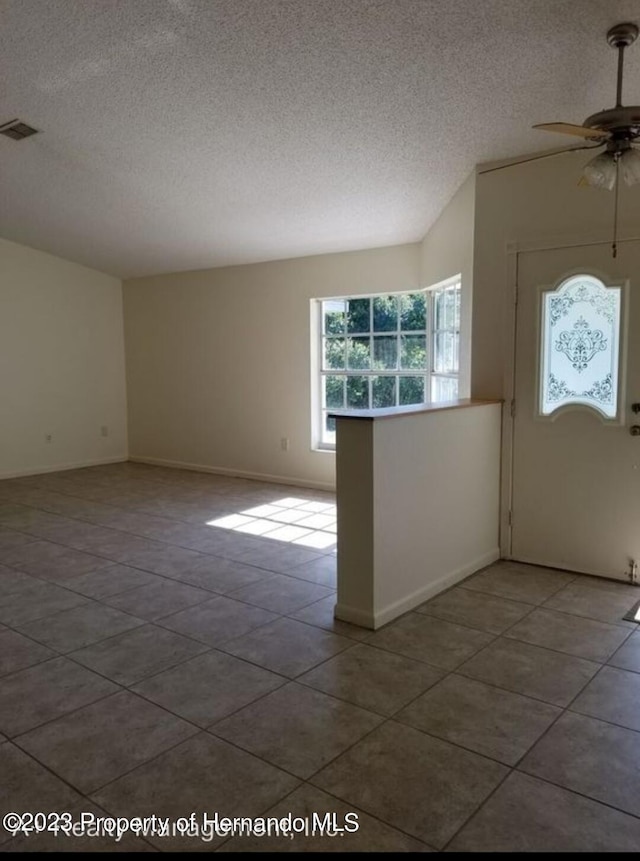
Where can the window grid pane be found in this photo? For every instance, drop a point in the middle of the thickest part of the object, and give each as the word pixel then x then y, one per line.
pixel 358 353
pixel 334 354
pixel 443 388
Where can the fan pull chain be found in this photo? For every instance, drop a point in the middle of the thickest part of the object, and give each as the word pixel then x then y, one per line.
pixel 614 244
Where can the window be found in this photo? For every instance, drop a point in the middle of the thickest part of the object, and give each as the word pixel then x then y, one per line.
pixel 580 346
pixel 389 350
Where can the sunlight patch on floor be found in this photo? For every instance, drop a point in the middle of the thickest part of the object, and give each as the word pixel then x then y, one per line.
pixel 292 520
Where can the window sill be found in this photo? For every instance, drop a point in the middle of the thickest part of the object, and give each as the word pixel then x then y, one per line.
pixel 391 412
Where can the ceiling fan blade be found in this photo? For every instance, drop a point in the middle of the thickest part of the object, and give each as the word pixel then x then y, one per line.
pixel 571 129
pixel 538 157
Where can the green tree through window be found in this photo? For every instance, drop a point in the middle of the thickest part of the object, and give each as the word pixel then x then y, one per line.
pixel 377 351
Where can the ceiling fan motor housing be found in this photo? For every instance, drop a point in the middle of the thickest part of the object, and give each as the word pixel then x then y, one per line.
pixel 621 122
pixel 622 35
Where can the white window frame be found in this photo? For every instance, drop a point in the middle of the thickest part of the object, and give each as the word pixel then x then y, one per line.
pixel 318 443
pixel 452 373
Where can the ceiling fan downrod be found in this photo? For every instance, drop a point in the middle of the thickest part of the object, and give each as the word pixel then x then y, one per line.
pixel 620 37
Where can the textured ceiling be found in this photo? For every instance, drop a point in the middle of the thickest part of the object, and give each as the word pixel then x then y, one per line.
pixel 184 134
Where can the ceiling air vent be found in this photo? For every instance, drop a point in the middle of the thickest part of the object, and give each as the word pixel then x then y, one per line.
pixel 17 130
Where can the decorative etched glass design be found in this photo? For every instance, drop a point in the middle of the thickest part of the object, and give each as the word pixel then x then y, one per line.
pixel 580 346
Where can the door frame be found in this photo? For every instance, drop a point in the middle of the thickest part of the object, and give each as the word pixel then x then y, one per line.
pixel 513 251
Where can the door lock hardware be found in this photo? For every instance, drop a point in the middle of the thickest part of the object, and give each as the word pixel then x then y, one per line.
pixel 635 408
pixel 634 430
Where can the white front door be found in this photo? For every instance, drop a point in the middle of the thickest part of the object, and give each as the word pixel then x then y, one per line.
pixel 576 465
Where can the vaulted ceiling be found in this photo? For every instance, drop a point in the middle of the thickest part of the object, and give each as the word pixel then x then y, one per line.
pixel 184 134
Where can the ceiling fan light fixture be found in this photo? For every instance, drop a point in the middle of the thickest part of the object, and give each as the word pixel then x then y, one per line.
pixel 630 166
pixel 600 172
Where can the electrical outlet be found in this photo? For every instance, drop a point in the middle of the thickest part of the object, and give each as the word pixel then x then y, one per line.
pixel 48 437
pixel 104 430
pixel 284 443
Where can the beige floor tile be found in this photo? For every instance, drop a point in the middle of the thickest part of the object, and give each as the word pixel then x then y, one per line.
pixel 18 652
pixel 308 802
pixel 628 655
pixel 12 581
pixel 529 584
pixel 209 687
pixel 110 581
pixel 52 841
pixel 592 600
pixel 482 718
pixel 80 626
pixel 530 815
pixel 167 560
pixel 322 571
pixel 113 545
pixel 320 614
pixel 419 784
pixel 27 787
pixel 592 758
pixel 204 539
pixel 104 740
pixel 53 561
pixel 531 670
pixel 35 601
pixel 46 691
pixel 202 775
pixel 217 620
pixel 158 599
pixel 287 647
pixel 287 557
pixel 282 594
pixel 27 520
pixel 475 609
pixel 297 729
pixel 373 678
pixel 585 638
pixel 222 575
pixel 10 538
pixel 425 638
pixel 613 695
pixel 134 655
pixel 609 584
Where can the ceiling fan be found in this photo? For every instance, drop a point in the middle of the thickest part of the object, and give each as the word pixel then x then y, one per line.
pixel 616 129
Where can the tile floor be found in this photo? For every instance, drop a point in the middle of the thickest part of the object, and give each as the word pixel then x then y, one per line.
pixel 167 646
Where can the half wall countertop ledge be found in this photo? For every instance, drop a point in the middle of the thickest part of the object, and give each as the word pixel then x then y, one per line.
pixel 413 409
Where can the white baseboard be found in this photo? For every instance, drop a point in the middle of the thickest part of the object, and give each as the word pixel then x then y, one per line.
pixel 63 467
pixel 344 613
pixel 381 617
pixel 234 473
pixel 378 618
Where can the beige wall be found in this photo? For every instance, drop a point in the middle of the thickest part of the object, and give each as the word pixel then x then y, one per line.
pixel 218 361
pixel 537 202
pixel 418 498
pixel 61 363
pixel 447 250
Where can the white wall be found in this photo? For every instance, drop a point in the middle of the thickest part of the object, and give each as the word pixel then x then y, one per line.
pixel 218 361
pixel 447 250
pixel 61 363
pixel 536 202
pixel 418 501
